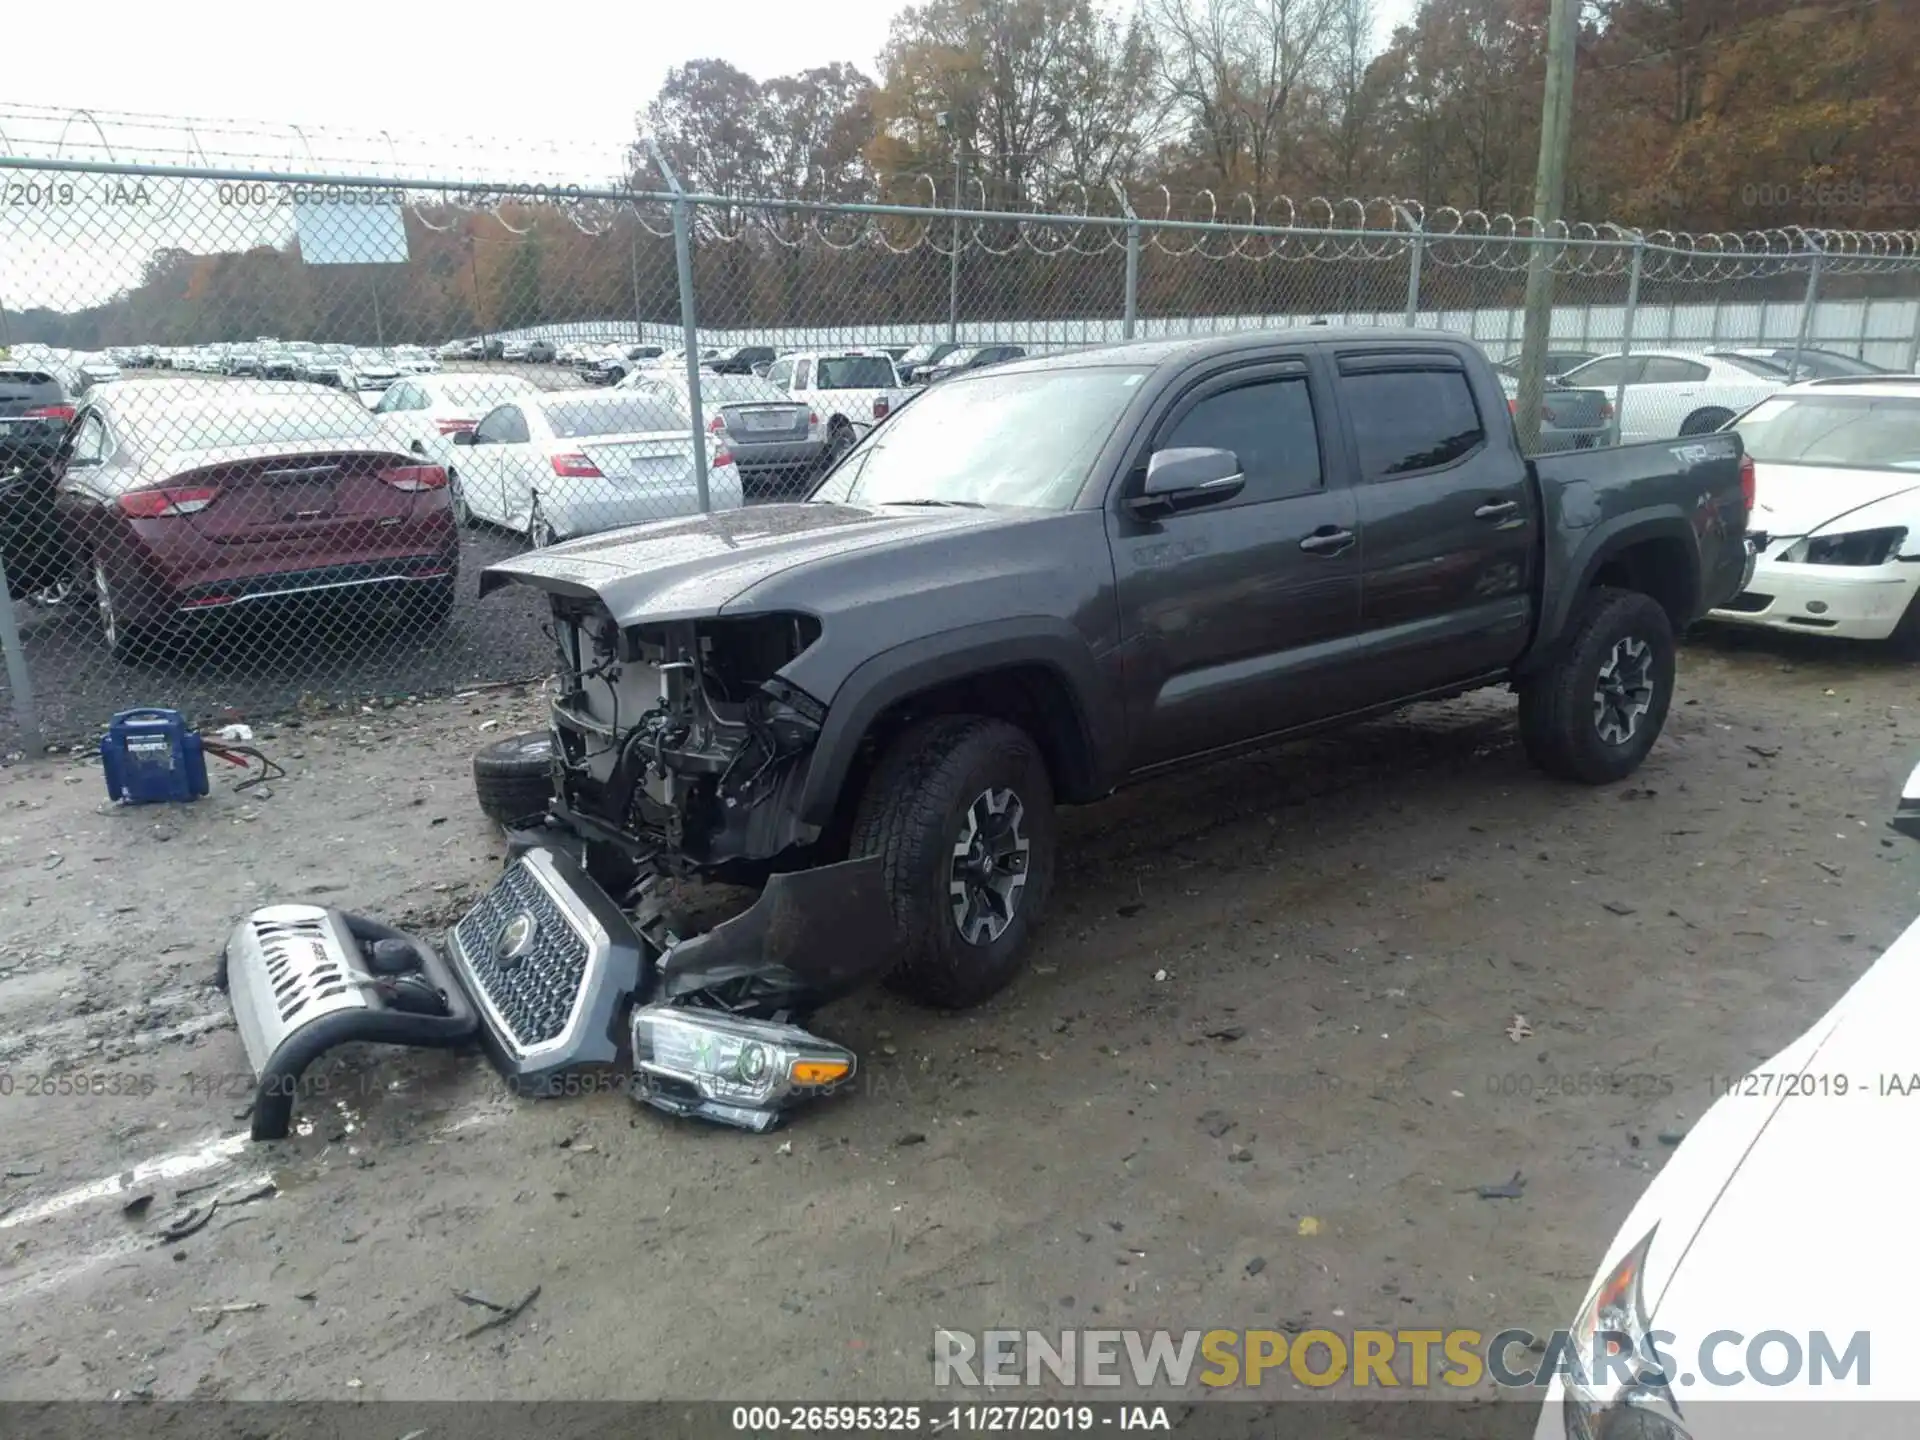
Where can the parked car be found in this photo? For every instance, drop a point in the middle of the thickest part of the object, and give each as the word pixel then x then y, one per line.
pixel 777 443
pixel 36 408
pixel 1836 511
pixel 1806 364
pixel 1671 393
pixel 851 390
pixel 514 350
pixel 1701 1271
pixel 541 352
pixel 185 501
pixel 576 462
pixel 91 370
pixel 1569 419
pixel 1559 362
pixel 1041 581
pixel 241 360
pixel 611 363
pixel 421 414
pixel 920 358
pixel 326 365
pixel 371 371
pixel 974 357
pixel 453 350
pixel 414 360
pixel 740 360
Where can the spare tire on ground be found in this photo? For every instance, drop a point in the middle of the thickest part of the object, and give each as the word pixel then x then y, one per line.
pixel 513 778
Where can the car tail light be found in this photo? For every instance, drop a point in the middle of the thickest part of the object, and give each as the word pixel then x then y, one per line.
pixel 575 467
pixel 717 425
pixel 156 504
pixel 416 477
pixel 454 427
pixel 813 419
pixel 1749 485
pixel 1606 410
pixel 722 458
pixel 51 412
pixel 1513 406
pixel 880 408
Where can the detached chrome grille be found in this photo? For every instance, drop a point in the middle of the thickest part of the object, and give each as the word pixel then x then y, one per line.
pixel 534 991
pixel 288 966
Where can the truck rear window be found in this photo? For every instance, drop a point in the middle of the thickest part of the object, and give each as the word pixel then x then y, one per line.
pixel 855 372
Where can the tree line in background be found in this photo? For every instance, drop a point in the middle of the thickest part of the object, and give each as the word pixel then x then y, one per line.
pixel 1691 115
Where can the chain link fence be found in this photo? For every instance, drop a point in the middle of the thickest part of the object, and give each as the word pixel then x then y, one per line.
pixel 260 433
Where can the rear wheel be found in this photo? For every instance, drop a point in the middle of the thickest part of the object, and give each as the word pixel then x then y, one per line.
pixel 1705 422
pixel 961 809
pixel 539 531
pixel 1593 715
pixel 1906 635
pixel 123 641
pixel 513 778
pixel 840 439
pixel 457 498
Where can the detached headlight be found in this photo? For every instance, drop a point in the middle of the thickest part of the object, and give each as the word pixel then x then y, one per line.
pixel 1856 547
pixel 722 1068
pixel 1620 1389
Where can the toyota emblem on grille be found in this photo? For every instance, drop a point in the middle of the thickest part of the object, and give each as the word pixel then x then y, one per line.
pixel 515 940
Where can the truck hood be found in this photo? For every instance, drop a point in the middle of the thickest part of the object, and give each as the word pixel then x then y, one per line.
pixel 684 569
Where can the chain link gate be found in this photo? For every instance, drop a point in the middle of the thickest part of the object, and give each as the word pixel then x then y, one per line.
pixel 260 432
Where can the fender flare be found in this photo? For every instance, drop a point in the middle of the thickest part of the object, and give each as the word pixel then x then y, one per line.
pixel 1599 545
pixel 908 669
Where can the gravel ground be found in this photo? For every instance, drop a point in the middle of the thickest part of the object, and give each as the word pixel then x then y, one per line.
pixel 1260 1062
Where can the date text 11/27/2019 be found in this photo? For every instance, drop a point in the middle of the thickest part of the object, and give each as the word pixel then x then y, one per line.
pixel 945 1419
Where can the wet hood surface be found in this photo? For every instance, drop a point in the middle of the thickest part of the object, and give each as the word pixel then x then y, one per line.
pixel 691 567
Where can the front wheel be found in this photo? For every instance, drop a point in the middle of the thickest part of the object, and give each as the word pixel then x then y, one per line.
pixel 961 809
pixel 1593 715
pixel 539 531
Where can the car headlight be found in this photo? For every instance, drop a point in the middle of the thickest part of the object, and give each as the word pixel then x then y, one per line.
pixel 1619 1389
pixel 719 1067
pixel 1855 547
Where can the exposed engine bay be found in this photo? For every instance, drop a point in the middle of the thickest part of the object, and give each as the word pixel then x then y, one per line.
pixel 676 742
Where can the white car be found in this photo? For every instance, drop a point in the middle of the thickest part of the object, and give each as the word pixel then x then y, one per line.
pixel 414 360
pixel 1837 500
pixel 423 413
pixel 514 349
pixel 850 390
pixel 576 462
pixel 1671 392
pixel 371 370
pixel 1770 1259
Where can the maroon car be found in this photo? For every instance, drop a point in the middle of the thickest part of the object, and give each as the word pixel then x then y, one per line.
pixel 189 498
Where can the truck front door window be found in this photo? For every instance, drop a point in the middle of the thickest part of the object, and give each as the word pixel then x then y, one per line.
pixel 1269 426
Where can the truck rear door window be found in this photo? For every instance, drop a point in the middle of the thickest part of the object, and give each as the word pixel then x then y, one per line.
pixel 1411 420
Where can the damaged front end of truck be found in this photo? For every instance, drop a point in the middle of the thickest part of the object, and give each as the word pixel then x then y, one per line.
pixel 679 752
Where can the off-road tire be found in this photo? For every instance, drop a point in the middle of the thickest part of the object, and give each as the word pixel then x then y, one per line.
pixel 1558 725
pixel 513 778
pixel 914 806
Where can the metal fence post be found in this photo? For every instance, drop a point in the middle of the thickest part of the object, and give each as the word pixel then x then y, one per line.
pixel 1131 312
pixel 689 327
pixel 17 677
pixel 1806 312
pixel 953 260
pixel 1626 333
pixel 1913 344
pixel 1414 247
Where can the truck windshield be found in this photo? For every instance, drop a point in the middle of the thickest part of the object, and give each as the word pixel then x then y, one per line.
pixel 1867 432
pixel 1024 440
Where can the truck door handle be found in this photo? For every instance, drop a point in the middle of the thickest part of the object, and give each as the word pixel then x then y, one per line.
pixel 1495 510
pixel 1327 540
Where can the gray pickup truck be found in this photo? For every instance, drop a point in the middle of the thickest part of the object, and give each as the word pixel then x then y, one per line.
pixel 1042 582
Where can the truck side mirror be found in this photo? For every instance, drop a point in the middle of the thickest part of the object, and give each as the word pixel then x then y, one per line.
pixel 1186 478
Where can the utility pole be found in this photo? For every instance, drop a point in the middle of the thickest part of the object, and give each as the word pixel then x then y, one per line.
pixel 945 121
pixel 1549 190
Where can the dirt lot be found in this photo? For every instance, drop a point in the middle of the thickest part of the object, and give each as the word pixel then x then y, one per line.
pixel 1273 991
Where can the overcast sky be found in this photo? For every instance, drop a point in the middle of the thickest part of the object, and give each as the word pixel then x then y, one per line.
pixel 422 88
pixel 567 77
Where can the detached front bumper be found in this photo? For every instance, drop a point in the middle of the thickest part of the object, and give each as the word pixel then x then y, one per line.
pixel 1855 602
pixel 560 985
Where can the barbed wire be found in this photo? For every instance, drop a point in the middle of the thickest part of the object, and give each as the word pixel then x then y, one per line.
pixel 1074 218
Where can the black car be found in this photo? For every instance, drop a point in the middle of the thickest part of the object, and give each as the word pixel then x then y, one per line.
pixel 976 357
pixel 741 360
pixel 913 363
pixel 36 409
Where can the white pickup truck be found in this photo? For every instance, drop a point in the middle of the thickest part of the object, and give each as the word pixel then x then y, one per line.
pixel 849 390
